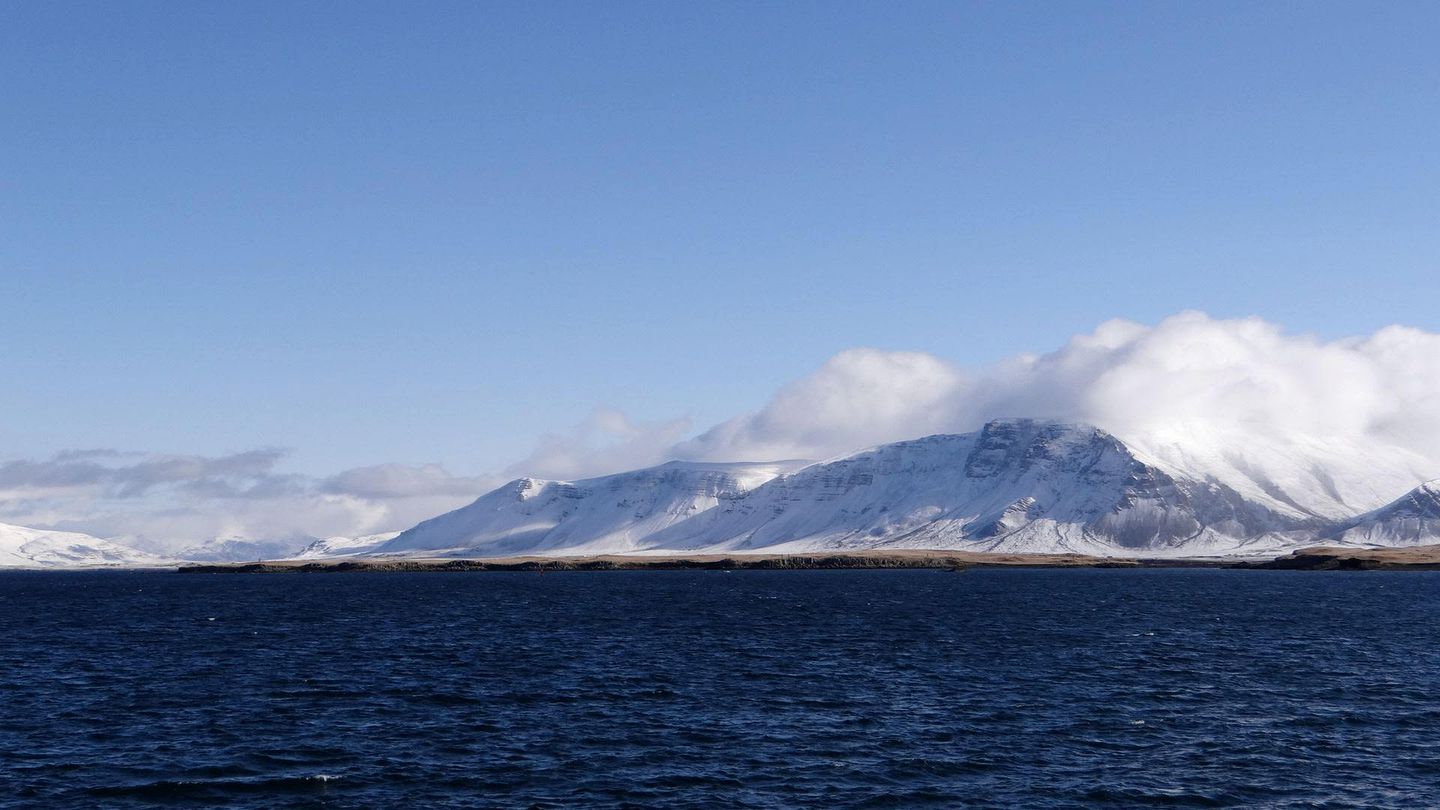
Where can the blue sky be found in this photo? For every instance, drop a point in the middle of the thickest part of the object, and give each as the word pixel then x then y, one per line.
pixel 433 232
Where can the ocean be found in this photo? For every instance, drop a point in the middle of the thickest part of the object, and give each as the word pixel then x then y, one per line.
pixel 1031 688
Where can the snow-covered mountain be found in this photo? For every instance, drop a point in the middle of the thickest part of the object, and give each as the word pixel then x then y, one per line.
pixel 36 548
pixel 1413 519
pixel 1298 476
pixel 613 513
pixel 235 549
pixel 1017 485
pixel 328 547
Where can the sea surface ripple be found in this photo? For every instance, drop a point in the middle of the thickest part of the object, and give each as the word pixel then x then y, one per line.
pixel 1031 688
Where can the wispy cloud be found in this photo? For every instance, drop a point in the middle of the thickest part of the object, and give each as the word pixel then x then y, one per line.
pixel 169 501
pixel 238 475
pixel 389 481
pixel 605 442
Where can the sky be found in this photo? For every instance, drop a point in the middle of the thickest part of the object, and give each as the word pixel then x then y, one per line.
pixel 380 245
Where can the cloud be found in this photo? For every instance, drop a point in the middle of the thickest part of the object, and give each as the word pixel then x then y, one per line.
pixel 165 502
pixel 385 481
pixel 236 475
pixel 168 502
pixel 606 442
pixel 859 397
pixel 1242 377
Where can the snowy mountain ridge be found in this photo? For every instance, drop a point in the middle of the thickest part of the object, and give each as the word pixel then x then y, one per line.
pixel 1016 485
pixel 239 549
pixel 339 546
pixel 609 514
pixel 1413 519
pixel 1294 475
pixel 37 548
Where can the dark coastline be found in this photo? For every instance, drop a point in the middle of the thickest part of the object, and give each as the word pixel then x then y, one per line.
pixel 1309 559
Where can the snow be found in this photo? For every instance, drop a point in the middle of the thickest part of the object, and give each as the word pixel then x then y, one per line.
pixel 37 548
pixel 239 549
pixel 344 546
pixel 1016 486
pixel 1413 519
pixel 1295 475
pixel 609 514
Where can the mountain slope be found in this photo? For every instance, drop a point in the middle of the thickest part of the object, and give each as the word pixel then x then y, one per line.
pixel 1016 485
pixel 1413 519
pixel 36 548
pixel 613 513
pixel 234 549
pixel 344 546
pixel 1300 477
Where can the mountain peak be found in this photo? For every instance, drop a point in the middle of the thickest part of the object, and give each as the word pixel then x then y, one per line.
pixel 1420 502
pixel 1032 423
pixel 1411 519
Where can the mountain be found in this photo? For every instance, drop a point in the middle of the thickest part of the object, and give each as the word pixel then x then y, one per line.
pixel 234 549
pixel 1300 477
pixel 1016 485
pixel 328 547
pixel 1413 519
pixel 613 513
pixel 36 548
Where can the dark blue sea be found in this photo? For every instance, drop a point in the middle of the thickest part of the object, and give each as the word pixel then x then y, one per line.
pixel 988 688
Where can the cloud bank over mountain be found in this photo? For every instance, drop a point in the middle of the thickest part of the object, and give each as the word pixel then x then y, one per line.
pixel 607 441
pixel 1189 374
pixel 1194 391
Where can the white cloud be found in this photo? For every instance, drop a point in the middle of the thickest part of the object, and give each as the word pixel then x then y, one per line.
pixel 857 398
pixel 387 481
pixel 169 502
pixel 1238 378
pixel 605 442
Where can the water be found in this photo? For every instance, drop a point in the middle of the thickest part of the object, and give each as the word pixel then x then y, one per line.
pixel 1031 688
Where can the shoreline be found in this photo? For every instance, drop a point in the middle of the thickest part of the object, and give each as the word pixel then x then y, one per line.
pixel 1322 558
